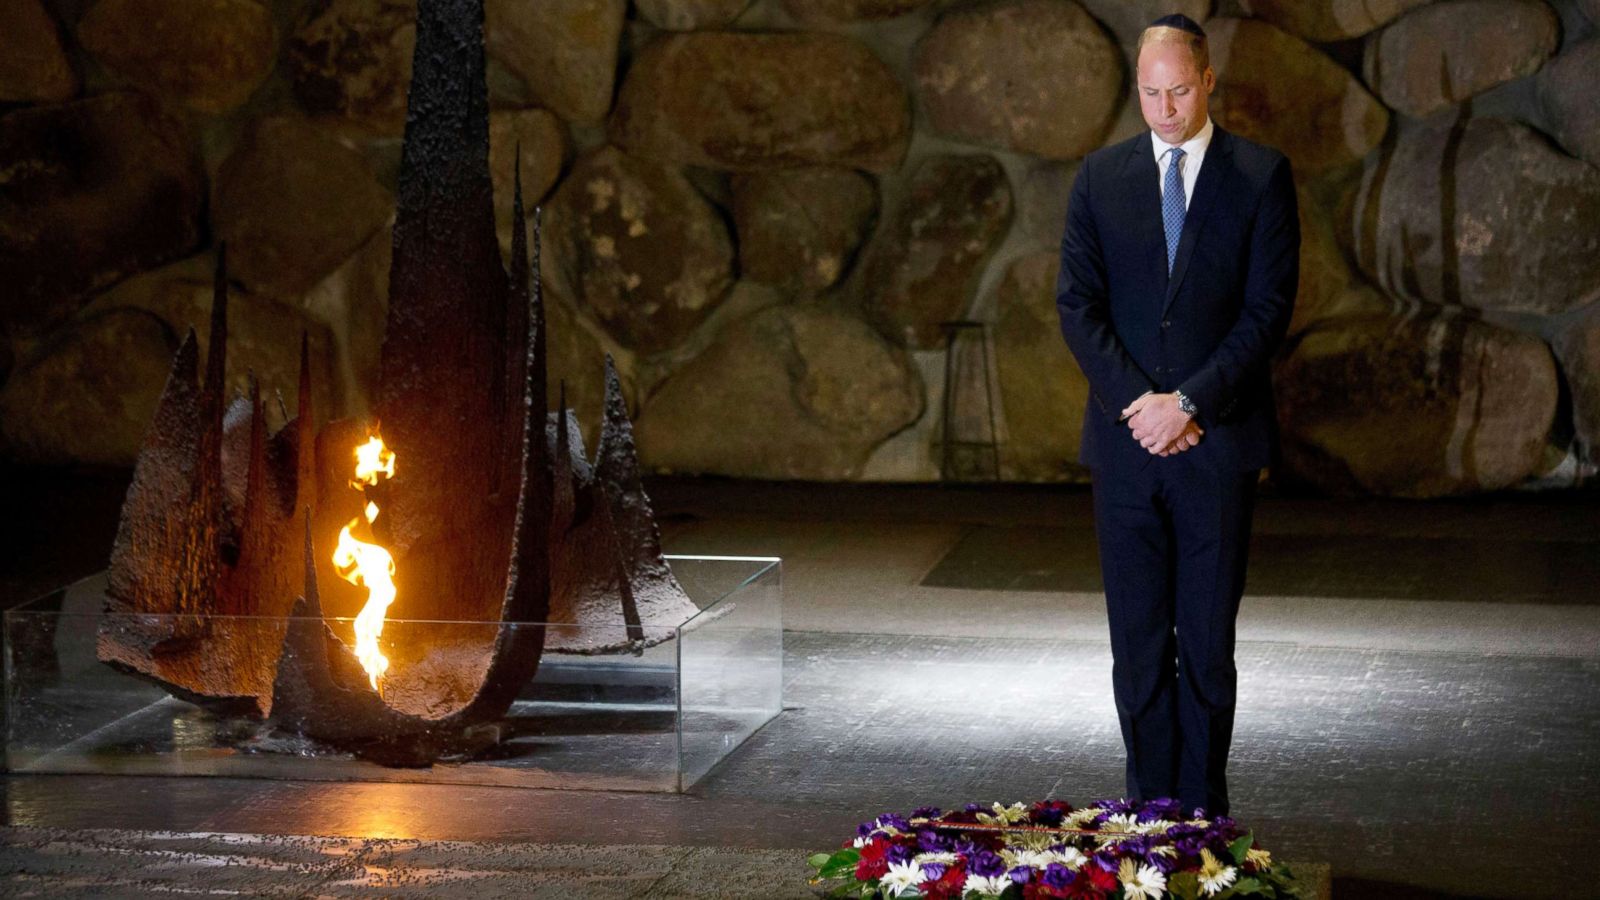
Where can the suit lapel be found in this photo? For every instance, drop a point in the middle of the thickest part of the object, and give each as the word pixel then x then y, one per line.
pixel 1213 172
pixel 1142 181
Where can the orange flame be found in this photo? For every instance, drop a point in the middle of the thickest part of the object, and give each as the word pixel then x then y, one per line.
pixel 368 565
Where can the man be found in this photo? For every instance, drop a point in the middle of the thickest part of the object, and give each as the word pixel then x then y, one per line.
pixel 1178 273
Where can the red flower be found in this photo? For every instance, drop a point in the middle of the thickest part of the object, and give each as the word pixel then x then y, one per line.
pixel 949 885
pixel 1083 889
pixel 873 864
pixel 1049 812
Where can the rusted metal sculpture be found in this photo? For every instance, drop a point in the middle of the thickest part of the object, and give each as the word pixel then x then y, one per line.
pixel 492 517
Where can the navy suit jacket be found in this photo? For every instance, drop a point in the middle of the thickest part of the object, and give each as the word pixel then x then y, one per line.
pixel 1209 329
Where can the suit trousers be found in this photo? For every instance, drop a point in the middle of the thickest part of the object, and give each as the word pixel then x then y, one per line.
pixel 1174 541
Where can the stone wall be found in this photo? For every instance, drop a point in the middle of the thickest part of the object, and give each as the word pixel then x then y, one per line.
pixel 765 208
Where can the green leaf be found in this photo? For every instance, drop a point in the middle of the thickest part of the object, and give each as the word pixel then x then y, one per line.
pixel 1184 886
pixel 818 860
pixel 1239 848
pixel 841 864
pixel 1246 886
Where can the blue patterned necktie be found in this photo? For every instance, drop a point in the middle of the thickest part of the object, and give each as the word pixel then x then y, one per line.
pixel 1172 205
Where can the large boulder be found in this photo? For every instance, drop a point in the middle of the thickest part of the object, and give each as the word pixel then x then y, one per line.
pixel 33 66
pixel 1034 76
pixel 350 62
pixel 633 244
pixel 1483 213
pixel 1042 197
pixel 1128 18
pixel 687 15
pixel 263 334
pixel 94 191
pixel 1424 406
pixel 1042 390
pixel 1442 54
pixel 1325 276
pixel 292 204
pixel 800 228
pixel 1577 346
pixel 86 395
pixel 745 102
pixel 924 265
pixel 792 392
pixel 576 363
pixel 1274 88
pixel 565 51
pixel 1325 21
pixel 209 55
pixel 1566 94
pixel 838 12
pixel 353 303
pixel 537 139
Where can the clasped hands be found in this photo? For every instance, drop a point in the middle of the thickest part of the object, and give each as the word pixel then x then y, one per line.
pixel 1160 426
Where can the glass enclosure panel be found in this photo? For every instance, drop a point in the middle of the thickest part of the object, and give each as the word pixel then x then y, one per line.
pixel 584 720
pixel 731 666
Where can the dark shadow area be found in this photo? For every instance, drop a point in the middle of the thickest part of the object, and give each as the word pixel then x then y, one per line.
pixel 57 528
pixel 1499 569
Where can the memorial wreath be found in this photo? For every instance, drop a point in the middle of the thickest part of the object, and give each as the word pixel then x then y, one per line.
pixel 1108 850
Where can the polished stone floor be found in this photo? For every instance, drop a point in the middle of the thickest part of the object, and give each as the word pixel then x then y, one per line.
pixel 1419 698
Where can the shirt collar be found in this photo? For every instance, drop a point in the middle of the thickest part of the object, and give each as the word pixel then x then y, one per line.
pixel 1193 148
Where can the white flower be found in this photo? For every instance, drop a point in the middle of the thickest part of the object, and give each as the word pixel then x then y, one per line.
pixel 1036 859
pixel 1080 817
pixel 1141 882
pixel 859 842
pixel 986 886
pixel 1032 840
pixel 1261 859
pixel 1214 876
pixel 1159 826
pixel 901 877
pixel 1118 822
pixel 1005 815
pixel 943 858
pixel 1071 857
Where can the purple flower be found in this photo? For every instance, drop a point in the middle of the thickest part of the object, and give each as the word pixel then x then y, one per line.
pixel 1049 817
pixel 899 853
pixel 975 807
pixel 986 864
pixel 933 871
pixel 1134 846
pixel 1164 808
pixel 865 829
pixel 1167 864
pixel 1057 875
pixel 930 841
pixel 926 812
pixel 1021 874
pixel 965 847
pixel 892 820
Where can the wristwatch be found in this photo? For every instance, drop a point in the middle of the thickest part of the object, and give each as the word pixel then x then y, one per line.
pixel 1185 405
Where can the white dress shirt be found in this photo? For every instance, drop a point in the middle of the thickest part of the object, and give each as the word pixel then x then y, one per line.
pixel 1194 153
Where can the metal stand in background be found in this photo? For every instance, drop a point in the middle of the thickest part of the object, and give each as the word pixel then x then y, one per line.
pixel 962 458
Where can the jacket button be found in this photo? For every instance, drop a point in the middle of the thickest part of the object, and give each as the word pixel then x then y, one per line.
pixel 1166 323
pixel 1160 370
